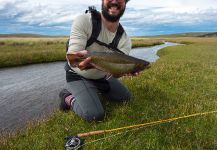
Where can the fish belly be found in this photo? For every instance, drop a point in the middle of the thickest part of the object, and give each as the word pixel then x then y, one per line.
pixel 116 69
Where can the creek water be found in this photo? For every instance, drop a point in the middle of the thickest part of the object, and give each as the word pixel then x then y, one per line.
pixel 150 53
pixel 30 92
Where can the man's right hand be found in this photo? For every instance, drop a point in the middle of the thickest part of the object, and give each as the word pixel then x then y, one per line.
pixel 78 59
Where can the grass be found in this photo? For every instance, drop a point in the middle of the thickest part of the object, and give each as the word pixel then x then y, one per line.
pixel 144 42
pixel 23 51
pixel 182 82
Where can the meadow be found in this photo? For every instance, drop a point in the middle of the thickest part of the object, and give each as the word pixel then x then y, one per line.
pixel 23 51
pixel 182 82
pixel 16 51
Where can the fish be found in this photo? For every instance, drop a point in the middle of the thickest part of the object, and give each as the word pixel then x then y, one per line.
pixel 116 64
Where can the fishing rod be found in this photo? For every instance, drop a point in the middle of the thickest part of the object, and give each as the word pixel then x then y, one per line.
pixel 75 142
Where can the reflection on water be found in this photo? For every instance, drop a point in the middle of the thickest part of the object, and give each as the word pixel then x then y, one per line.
pixel 149 53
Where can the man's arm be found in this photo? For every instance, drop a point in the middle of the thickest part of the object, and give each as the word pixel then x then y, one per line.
pixel 77 43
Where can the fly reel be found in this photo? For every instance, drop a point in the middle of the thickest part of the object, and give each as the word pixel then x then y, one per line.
pixel 73 143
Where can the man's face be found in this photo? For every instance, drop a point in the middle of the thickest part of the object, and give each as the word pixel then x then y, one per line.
pixel 112 10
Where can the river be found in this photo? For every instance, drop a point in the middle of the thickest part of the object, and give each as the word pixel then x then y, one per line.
pixel 30 92
pixel 150 53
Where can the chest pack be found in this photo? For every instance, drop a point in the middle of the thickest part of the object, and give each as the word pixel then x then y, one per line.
pixel 96 28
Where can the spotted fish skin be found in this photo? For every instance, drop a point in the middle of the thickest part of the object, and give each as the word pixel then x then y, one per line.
pixel 117 64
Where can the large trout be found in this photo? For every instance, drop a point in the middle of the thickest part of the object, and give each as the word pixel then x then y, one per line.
pixel 114 63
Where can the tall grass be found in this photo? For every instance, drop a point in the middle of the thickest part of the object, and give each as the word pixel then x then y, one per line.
pixel 182 82
pixel 22 51
pixel 144 42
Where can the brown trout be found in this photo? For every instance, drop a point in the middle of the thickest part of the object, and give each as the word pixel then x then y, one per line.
pixel 116 64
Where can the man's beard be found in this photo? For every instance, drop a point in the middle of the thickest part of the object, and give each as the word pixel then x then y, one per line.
pixel 112 18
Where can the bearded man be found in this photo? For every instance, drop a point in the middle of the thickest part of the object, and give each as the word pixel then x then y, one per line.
pixel 86 84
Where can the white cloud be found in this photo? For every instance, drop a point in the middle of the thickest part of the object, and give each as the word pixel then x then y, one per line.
pixel 138 14
pixel 44 12
pixel 182 5
pixel 161 15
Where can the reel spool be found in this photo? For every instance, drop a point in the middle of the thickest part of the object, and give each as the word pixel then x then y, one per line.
pixel 73 143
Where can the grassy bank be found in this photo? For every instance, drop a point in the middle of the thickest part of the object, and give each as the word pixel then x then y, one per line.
pixel 22 51
pixel 183 81
pixel 145 42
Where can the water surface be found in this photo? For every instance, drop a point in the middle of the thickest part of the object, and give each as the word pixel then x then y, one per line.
pixel 30 92
pixel 149 53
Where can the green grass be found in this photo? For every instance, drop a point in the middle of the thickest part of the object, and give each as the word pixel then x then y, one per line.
pixel 22 51
pixel 182 82
pixel 145 42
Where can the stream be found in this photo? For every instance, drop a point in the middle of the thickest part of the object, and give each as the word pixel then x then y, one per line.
pixel 30 92
pixel 149 53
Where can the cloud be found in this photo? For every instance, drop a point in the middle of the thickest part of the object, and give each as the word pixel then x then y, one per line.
pixel 183 5
pixel 157 16
pixel 150 17
pixel 156 19
pixel 42 12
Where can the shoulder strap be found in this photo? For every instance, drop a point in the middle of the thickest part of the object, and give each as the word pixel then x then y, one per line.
pixel 96 25
pixel 109 46
pixel 117 37
pixel 96 28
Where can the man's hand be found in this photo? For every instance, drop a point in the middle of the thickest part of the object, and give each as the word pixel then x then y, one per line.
pixel 78 59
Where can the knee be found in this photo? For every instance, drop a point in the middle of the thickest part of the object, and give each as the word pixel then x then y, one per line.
pixel 90 114
pixel 122 98
pixel 126 97
pixel 94 116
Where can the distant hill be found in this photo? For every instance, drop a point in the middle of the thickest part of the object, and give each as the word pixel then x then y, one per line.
pixel 213 34
pixel 194 34
pixel 188 34
pixel 28 35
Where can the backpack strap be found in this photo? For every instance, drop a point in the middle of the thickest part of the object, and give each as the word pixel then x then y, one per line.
pixel 96 28
pixel 117 37
pixel 109 46
pixel 96 25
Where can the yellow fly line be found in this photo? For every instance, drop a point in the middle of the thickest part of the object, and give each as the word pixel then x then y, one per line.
pixel 143 124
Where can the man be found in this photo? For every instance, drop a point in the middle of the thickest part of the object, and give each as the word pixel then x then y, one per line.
pixel 84 82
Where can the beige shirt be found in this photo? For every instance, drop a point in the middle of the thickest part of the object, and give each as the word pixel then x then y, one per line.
pixel 81 32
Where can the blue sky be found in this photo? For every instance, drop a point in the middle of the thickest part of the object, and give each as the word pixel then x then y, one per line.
pixel 142 18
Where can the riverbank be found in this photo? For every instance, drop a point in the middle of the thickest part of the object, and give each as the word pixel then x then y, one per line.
pixel 23 51
pixel 182 82
pixel 30 92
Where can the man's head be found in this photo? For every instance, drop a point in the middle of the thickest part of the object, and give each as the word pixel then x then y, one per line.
pixel 112 10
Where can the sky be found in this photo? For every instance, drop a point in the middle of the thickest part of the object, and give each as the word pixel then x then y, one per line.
pixel 141 18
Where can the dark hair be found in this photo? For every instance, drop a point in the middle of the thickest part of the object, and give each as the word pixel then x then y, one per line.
pixel 127 1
